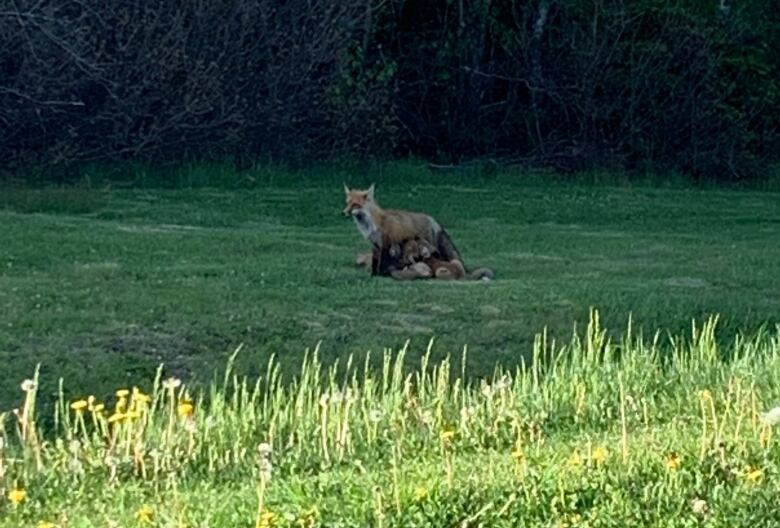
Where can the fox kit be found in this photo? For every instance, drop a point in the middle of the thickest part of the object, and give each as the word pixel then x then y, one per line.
pixel 389 230
pixel 421 261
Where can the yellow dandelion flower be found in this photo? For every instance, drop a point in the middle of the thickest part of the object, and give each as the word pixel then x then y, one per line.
pixel 599 455
pixel 145 514
pixel 122 393
pixel 140 397
pixel 420 493
pixel 574 460
pixel 266 520
pixel 705 395
pixel 185 408
pixel 447 435
pixel 99 408
pixel 116 417
pixel 17 496
pixel 133 415
pixel 309 517
pixel 121 405
pixel 79 405
pixel 673 461
pixel 753 475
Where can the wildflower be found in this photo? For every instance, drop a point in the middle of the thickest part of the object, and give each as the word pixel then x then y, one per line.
pixel 145 514
pixel 420 493
pixel 574 460
pixel 28 385
pixel 17 496
pixel 133 415
pixel 518 455
pixel 705 395
pixel 308 518
pixel 264 449
pixel 502 384
pixel 699 506
pixel 447 435
pixel 324 400
pixel 122 393
pixel 99 408
pixel 266 520
pixel 172 383
pixel 599 455
pixel 121 405
pixel 79 405
pixel 185 408
pixel 46 524
pixel 467 413
pixel 753 475
pixel 772 417
pixel 375 416
pixel 116 417
pixel 487 390
pixel 139 397
pixel 673 461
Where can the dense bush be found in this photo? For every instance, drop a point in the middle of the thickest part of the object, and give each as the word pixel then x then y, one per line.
pixel 692 86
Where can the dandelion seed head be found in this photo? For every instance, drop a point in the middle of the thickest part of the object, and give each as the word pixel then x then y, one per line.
pixel 772 417
pixel 172 383
pixel 699 506
pixel 264 449
pixel 28 385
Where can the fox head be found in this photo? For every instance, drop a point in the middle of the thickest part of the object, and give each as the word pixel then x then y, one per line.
pixel 357 200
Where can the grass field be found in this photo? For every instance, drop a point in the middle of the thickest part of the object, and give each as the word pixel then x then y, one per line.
pixel 595 433
pixel 100 286
pixel 652 424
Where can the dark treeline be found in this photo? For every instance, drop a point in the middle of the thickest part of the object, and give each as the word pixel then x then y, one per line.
pixel 688 85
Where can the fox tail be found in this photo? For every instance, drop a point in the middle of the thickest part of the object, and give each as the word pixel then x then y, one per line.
pixel 448 251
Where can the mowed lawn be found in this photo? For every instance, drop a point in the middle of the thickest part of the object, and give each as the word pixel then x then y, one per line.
pixel 100 287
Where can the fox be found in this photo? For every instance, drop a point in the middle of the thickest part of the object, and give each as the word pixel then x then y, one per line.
pixel 389 229
pixel 421 262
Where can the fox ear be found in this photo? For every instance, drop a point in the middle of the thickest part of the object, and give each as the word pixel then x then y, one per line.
pixel 346 189
pixel 371 192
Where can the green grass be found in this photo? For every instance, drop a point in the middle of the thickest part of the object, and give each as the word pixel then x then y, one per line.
pixel 596 433
pixel 102 285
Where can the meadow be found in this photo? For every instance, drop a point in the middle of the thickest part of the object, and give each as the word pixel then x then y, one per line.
pixel 506 403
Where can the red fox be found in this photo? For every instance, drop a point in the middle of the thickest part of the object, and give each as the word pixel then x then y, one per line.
pixel 388 230
pixel 420 258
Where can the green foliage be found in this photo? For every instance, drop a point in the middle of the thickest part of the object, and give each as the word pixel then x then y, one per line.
pixel 647 85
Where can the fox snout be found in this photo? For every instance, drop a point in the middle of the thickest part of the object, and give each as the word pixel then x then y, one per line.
pixel 355 212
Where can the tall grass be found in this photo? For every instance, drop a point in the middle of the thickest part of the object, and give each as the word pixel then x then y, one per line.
pixel 656 430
